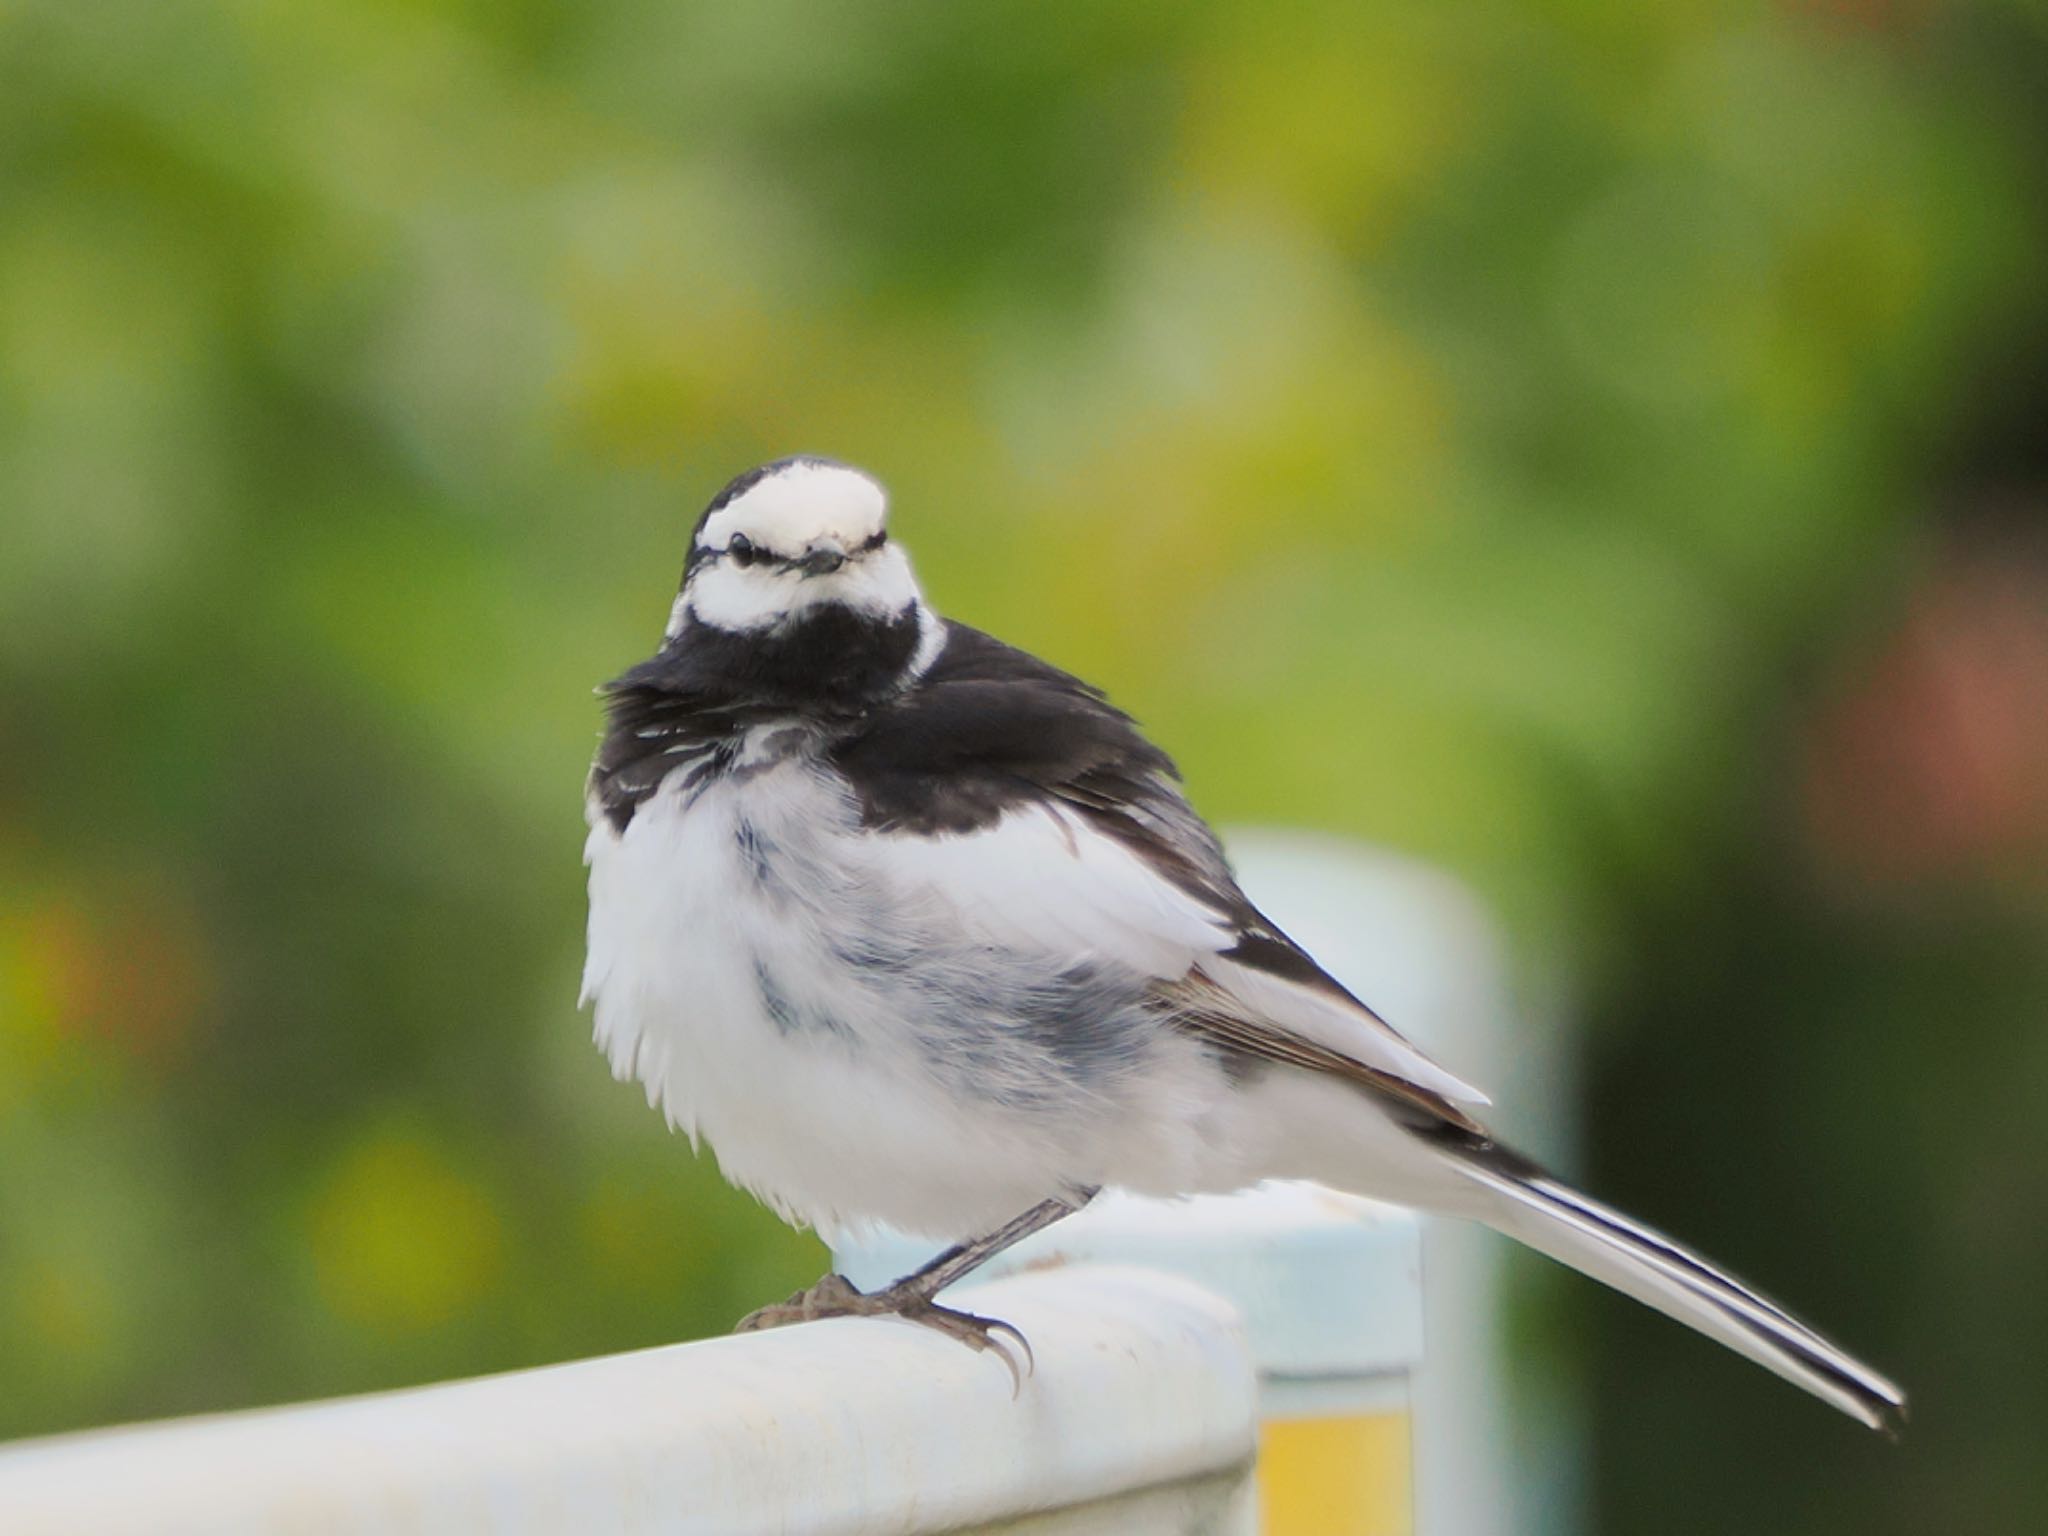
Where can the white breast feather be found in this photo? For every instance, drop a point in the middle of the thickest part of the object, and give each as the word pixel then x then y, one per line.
pixel 851 1114
pixel 860 1111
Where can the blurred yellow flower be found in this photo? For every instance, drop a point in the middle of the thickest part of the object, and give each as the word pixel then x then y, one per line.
pixel 402 1241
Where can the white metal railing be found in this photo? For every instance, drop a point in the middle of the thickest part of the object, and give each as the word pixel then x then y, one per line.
pixel 1139 1418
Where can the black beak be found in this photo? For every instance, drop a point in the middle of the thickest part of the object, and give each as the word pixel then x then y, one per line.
pixel 822 560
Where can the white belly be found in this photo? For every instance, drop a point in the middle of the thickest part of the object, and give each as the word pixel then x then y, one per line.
pixel 817 1012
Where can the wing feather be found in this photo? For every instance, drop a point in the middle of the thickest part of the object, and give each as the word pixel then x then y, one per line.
pixel 1052 823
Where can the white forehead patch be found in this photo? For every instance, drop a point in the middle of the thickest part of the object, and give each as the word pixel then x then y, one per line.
pixel 788 511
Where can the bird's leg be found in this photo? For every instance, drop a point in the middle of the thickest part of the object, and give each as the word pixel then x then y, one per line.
pixel 912 1296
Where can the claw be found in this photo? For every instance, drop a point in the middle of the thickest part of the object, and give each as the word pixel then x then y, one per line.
pixel 834 1296
pixel 978 1333
pixel 1030 1359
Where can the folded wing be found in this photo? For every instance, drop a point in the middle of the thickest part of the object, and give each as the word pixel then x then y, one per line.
pixel 1052 824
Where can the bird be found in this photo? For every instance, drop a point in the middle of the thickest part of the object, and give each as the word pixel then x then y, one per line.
pixel 918 930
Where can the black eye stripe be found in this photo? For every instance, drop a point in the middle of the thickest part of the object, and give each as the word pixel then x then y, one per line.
pixel 745 552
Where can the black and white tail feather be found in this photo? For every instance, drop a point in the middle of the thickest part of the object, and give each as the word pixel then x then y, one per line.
pixel 1524 1202
pixel 915 928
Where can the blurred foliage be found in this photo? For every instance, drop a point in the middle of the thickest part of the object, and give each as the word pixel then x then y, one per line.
pixel 1494 430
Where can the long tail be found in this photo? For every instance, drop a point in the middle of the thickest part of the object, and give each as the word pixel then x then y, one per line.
pixel 1530 1206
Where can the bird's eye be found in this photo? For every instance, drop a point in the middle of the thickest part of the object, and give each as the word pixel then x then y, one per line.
pixel 741 549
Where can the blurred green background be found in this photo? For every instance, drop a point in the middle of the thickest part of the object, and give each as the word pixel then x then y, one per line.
pixel 1593 447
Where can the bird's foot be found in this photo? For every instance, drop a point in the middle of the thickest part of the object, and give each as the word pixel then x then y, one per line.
pixel 834 1296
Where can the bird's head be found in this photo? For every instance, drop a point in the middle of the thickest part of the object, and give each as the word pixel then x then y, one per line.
pixel 787 540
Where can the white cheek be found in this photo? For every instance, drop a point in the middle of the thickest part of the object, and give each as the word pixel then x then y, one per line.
pixel 880 582
pixel 724 596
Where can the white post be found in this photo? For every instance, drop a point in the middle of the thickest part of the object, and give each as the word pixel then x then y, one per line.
pixel 1139 1419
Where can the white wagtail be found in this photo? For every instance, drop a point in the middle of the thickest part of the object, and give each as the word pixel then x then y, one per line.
pixel 917 929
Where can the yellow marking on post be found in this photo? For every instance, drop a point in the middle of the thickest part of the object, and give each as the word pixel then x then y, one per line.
pixel 1347 1475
